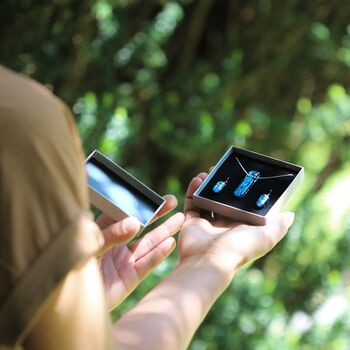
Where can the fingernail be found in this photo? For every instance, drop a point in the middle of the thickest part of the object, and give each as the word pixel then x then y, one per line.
pixel 289 218
pixel 173 244
pixel 179 214
pixel 130 224
pixel 172 198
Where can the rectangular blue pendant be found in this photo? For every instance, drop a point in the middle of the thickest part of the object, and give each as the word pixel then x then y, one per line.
pixel 246 184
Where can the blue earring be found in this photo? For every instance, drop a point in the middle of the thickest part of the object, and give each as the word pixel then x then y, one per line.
pixel 219 186
pixel 262 200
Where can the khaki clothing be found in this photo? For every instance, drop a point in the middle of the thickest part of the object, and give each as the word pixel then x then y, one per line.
pixel 45 223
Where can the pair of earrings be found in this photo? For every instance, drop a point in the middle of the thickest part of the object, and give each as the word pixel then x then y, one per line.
pixel 242 190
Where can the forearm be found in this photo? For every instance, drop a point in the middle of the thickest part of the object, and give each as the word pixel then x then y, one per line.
pixel 170 314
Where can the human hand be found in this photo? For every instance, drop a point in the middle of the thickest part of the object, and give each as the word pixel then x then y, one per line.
pixel 224 242
pixel 123 267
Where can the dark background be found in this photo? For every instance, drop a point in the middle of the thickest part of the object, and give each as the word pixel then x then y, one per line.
pixel 231 168
pixel 165 87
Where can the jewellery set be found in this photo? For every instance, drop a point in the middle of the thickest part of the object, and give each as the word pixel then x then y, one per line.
pixel 251 177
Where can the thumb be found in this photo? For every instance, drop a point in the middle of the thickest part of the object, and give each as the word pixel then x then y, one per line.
pixel 277 227
pixel 120 232
pixel 287 219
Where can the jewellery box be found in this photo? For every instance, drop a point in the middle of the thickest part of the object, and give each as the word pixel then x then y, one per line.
pixel 248 186
pixel 119 194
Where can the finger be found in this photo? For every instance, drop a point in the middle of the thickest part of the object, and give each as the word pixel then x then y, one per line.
pixel 169 205
pixel 277 227
pixel 211 168
pixel 189 208
pixel 144 265
pixel 153 238
pixel 120 232
pixel 192 187
pixel 104 221
pixel 191 214
pixel 202 176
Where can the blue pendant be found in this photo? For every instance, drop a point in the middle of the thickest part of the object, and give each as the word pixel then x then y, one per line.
pixel 219 186
pixel 262 200
pixel 249 180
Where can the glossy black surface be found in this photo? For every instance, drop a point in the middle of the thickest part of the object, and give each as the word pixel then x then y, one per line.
pixel 231 168
pixel 120 192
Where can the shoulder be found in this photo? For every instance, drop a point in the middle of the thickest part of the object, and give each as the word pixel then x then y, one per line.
pixel 29 111
pixel 27 103
pixel 17 88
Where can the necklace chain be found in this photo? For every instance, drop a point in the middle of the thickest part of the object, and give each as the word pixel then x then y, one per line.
pixel 262 177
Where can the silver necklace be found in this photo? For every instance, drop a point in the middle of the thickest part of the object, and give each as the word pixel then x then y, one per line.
pixel 261 177
pixel 246 184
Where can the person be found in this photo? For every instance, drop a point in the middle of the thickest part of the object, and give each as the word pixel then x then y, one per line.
pixel 59 277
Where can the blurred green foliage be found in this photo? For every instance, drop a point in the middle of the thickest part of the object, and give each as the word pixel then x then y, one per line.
pixel 165 87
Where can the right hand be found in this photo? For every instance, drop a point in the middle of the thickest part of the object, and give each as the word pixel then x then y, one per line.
pixel 225 242
pixel 124 266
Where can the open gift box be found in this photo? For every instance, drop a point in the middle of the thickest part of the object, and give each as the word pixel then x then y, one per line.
pixel 248 186
pixel 118 193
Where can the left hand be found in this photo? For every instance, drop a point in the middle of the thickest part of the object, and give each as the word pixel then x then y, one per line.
pixel 123 267
pixel 226 243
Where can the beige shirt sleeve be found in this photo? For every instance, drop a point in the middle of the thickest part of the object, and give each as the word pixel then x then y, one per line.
pixel 45 223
